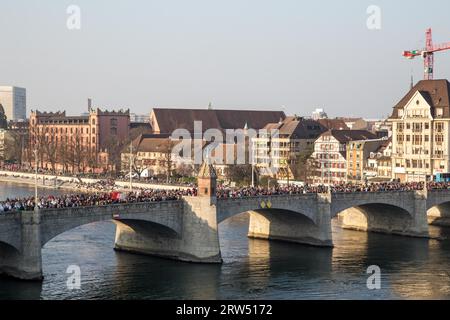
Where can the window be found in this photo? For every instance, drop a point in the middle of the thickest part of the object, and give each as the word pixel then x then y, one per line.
pixel 114 131
pixel 439 139
pixel 439 127
pixel 439 112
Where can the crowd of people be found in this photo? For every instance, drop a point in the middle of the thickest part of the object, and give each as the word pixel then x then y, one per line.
pixel 89 200
pixel 377 187
pixel 225 192
pixel 108 197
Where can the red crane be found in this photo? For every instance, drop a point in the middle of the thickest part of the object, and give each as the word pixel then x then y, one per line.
pixel 427 54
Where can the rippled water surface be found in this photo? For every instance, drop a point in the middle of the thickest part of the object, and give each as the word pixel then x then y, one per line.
pixel 252 269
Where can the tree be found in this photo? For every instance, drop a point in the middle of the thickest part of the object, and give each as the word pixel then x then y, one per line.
pixel 305 166
pixel 185 170
pixel 241 174
pixel 51 152
pixel 12 148
pixel 78 152
pixel 168 158
pixel 114 148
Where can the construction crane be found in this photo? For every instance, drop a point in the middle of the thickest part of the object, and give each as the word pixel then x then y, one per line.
pixel 427 54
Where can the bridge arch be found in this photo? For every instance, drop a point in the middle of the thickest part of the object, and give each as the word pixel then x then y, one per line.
pixel 344 201
pixel 384 212
pixel 291 218
pixel 304 205
pixel 438 207
pixel 135 216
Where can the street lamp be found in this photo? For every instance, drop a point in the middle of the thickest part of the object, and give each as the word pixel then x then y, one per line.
pixel 131 166
pixel 36 200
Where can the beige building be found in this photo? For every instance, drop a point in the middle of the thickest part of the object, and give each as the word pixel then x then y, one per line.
pixel 275 155
pixel 358 154
pixel 151 156
pixel 330 154
pixel 420 125
pixel 379 163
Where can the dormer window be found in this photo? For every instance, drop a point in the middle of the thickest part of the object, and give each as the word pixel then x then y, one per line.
pixel 400 112
pixel 439 112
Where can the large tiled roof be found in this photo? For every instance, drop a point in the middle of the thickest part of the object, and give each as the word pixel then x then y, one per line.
pixel 169 120
pixel 150 143
pixel 334 124
pixel 345 136
pixel 298 128
pixel 435 92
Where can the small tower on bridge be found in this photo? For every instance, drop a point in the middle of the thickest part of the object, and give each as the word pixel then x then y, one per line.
pixel 207 181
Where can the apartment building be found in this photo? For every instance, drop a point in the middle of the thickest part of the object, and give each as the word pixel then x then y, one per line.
pixel 358 155
pixel 78 143
pixel 276 155
pixel 330 154
pixel 420 126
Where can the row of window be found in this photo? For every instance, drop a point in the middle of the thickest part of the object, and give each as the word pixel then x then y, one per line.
pixel 419 126
pixel 63 130
pixel 333 165
pixel 333 174
pixel 419 139
pixel 334 156
pixel 66 139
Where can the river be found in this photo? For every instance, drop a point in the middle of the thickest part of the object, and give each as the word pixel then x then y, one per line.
pixel 252 269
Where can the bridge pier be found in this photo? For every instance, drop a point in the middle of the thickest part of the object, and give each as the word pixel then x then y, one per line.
pixel 198 240
pixel 282 225
pixel 25 262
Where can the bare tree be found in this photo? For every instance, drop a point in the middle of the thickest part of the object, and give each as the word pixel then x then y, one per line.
pixel 168 158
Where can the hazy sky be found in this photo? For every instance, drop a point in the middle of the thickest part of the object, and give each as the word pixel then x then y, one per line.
pixel 287 55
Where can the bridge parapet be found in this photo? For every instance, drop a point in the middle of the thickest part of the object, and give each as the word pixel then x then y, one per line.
pixel 304 204
pixel 402 199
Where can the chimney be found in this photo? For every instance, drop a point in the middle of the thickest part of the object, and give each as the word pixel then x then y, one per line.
pixel 89 104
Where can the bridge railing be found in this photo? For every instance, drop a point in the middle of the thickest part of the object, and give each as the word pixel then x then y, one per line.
pixel 374 192
pixel 306 195
pixel 80 208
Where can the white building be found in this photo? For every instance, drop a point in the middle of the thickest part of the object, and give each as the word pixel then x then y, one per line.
pixel 319 114
pixel 421 126
pixel 14 101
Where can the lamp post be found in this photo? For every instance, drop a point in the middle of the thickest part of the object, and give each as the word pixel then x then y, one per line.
pixel 36 200
pixel 131 166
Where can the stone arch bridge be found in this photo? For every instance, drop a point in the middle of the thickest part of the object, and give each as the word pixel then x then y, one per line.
pixel 187 229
